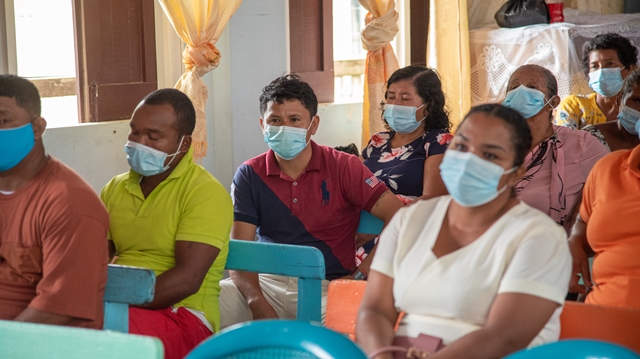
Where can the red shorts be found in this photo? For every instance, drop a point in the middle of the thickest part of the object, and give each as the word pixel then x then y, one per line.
pixel 178 329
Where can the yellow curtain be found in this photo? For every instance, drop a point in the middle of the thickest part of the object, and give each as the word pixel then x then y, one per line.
pixel 381 27
pixel 448 53
pixel 199 24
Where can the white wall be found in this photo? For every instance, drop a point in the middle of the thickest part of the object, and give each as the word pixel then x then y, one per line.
pixel 254 52
pixel 95 151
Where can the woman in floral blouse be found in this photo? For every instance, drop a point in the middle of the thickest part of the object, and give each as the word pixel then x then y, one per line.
pixel 408 156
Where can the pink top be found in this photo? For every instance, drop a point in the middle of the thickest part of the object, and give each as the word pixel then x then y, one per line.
pixel 553 184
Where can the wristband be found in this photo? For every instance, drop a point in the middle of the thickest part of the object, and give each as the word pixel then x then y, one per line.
pixel 359 274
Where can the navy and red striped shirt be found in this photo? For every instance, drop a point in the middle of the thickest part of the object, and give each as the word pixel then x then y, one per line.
pixel 321 208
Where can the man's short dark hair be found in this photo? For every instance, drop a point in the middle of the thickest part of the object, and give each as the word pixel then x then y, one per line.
pixel 289 87
pixel 23 91
pixel 627 53
pixel 182 107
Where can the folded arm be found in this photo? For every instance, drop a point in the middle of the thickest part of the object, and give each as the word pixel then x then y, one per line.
pixel 193 261
pixel 514 321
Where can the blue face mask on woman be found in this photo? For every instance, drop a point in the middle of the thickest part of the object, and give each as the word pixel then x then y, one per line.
pixel 148 161
pixel 402 119
pixel 525 100
pixel 470 180
pixel 286 141
pixel 629 119
pixel 15 145
pixel 607 81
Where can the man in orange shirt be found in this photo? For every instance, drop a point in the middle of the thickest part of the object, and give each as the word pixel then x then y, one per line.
pixel 53 227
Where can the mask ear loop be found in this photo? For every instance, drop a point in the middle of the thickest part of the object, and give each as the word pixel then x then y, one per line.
pixel 311 124
pixel 509 171
pixel 552 108
pixel 417 108
pixel 174 154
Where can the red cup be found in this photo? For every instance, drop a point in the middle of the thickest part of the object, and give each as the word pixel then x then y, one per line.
pixel 556 12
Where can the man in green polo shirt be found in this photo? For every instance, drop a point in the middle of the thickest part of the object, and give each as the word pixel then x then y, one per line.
pixel 171 215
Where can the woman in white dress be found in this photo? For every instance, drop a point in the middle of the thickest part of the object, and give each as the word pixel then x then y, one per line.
pixel 478 268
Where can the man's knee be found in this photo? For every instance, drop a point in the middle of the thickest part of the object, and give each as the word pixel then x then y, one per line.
pixel 233 307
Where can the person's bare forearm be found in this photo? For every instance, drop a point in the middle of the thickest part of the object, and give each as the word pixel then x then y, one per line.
pixel 480 344
pixel 373 331
pixel 171 288
pixel 248 284
pixel 579 233
pixel 31 315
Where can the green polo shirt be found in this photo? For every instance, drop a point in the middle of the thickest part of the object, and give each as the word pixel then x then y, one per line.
pixel 190 205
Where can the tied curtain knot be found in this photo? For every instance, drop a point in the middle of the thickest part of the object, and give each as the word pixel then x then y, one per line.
pixel 379 31
pixel 205 56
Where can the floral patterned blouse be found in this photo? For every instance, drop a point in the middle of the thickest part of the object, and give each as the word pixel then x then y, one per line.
pixel 402 169
pixel 576 112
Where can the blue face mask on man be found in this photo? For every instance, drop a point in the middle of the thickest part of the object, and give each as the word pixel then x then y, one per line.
pixel 286 141
pixel 148 161
pixel 402 119
pixel 470 180
pixel 15 145
pixel 629 119
pixel 525 100
pixel 606 81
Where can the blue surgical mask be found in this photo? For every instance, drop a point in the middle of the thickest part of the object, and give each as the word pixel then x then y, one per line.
pixel 470 180
pixel 148 161
pixel 402 119
pixel 607 81
pixel 525 100
pixel 286 141
pixel 15 145
pixel 629 119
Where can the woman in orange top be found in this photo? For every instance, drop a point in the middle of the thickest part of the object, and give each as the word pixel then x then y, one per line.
pixel 608 228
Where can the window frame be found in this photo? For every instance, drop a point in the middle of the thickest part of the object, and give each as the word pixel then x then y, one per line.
pixel 122 99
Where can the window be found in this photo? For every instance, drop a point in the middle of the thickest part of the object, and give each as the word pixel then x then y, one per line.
pixel 311 35
pixel 317 55
pixel 348 54
pixel 48 57
pixel 91 60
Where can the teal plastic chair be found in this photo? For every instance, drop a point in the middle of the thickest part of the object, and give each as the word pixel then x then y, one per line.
pixel 125 286
pixel 36 341
pixel 369 224
pixel 304 262
pixel 576 349
pixel 277 339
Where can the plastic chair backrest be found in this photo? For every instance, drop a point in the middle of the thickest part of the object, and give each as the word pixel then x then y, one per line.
pixel 35 341
pixel 304 262
pixel 277 339
pixel 576 349
pixel 369 224
pixel 125 285
pixel 612 324
pixel 343 301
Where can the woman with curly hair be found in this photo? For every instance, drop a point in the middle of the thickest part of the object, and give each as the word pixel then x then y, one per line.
pixel 407 156
pixel 610 58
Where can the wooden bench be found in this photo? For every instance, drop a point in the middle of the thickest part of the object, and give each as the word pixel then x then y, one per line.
pixel 36 341
pixel 578 320
pixel 343 301
pixel 125 286
pixel 611 324
pixel 305 263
